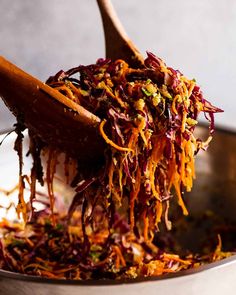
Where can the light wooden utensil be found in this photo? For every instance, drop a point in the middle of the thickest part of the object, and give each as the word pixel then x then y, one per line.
pixel 118 44
pixel 51 115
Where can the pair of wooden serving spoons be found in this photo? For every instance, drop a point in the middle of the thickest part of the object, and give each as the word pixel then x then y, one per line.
pixel 52 116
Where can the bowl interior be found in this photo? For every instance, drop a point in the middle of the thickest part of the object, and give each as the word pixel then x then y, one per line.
pixel 211 204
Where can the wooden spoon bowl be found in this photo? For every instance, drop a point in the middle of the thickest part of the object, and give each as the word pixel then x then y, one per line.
pixel 52 116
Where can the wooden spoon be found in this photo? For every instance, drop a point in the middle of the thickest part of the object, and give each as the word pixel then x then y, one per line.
pixel 49 114
pixel 118 44
pixel 52 116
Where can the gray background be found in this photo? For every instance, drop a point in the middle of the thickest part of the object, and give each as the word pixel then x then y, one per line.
pixel 197 37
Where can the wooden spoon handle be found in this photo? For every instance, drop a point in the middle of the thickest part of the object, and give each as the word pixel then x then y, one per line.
pixel 118 44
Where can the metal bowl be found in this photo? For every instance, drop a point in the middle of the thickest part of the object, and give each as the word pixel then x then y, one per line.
pixel 214 192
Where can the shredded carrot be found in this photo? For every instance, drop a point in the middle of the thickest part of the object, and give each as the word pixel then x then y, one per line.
pixel 69 93
pixel 110 142
pixel 180 200
pixel 120 258
pixel 176 258
pixel 133 197
pixel 145 226
pixel 158 212
pixel 51 169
